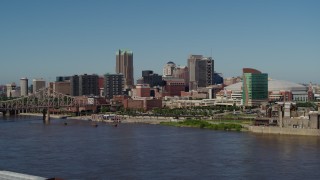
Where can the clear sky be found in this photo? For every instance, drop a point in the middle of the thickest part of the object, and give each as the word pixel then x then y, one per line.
pixel 42 38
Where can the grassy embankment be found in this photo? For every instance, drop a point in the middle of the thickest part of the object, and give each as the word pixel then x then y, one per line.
pixel 205 125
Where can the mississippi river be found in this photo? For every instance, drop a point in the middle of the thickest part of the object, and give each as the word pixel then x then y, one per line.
pixel 140 151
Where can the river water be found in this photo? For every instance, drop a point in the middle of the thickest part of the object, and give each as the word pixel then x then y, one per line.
pixel 140 151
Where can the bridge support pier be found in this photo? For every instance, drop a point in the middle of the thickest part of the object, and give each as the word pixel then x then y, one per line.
pixel 9 113
pixel 46 116
pixel 78 111
pixel 13 112
pixel 3 113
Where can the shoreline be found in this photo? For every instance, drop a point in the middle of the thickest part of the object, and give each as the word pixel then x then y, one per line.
pixel 97 118
pixel 158 120
pixel 130 119
pixel 40 115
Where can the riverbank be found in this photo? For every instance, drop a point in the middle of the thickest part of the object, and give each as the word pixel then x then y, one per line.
pixel 54 116
pixel 205 124
pixel 130 119
pixel 99 118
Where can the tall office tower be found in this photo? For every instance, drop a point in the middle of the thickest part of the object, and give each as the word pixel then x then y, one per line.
pixel 38 84
pixel 113 85
pixel 193 69
pixel 201 71
pixel 124 65
pixel 24 86
pixel 182 72
pixel 168 69
pixel 255 87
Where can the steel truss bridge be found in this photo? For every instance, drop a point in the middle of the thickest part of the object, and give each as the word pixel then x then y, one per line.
pixel 43 99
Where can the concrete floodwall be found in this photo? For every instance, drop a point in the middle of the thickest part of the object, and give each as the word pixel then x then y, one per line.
pixel 286 131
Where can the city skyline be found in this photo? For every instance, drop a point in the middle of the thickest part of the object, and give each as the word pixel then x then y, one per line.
pixel 42 39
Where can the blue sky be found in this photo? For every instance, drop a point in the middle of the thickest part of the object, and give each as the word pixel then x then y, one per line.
pixel 52 38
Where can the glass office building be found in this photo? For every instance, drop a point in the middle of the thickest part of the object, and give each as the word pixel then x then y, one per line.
pixel 255 87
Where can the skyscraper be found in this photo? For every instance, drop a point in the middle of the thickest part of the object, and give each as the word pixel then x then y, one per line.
pixel 201 71
pixel 24 86
pixel 192 65
pixel 255 87
pixel 124 65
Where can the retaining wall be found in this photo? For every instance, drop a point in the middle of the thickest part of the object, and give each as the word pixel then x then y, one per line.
pixel 287 131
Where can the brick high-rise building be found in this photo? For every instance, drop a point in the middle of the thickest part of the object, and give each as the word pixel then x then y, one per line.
pixel 88 85
pixel 124 65
pixel 113 85
pixel 84 85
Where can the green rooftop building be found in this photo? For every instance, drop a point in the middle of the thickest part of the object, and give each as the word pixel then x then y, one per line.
pixel 255 87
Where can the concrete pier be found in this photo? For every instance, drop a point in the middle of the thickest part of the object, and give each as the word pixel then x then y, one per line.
pixel 3 113
pixel 46 116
